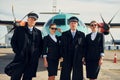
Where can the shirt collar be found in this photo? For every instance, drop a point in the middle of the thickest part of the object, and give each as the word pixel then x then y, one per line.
pixel 52 34
pixel 73 31
pixel 30 28
pixel 94 32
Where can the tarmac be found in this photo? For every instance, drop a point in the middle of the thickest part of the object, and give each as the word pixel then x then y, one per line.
pixel 109 70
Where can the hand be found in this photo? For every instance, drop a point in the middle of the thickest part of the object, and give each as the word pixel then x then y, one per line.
pixel 59 30
pixel 45 64
pixel 22 23
pixel 83 61
pixel 61 59
pixel 19 23
pixel 100 61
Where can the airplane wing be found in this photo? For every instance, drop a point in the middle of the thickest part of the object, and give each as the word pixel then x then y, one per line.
pixel 40 23
pixel 57 13
pixel 112 25
pixel 115 25
pixel 11 23
pixel 6 22
pixel 49 12
pixel 87 24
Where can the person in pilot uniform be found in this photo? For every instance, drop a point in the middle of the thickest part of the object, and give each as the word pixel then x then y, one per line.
pixel 51 53
pixel 72 51
pixel 27 45
pixel 94 51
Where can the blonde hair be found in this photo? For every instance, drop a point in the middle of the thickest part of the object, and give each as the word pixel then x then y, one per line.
pixel 93 22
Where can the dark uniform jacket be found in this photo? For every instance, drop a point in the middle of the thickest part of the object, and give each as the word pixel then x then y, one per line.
pixel 74 47
pixel 51 48
pixel 27 48
pixel 95 47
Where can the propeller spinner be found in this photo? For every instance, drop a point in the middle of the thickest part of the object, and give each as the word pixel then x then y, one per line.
pixel 105 27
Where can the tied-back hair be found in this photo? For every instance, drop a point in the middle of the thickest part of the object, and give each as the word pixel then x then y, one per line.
pixel 52 25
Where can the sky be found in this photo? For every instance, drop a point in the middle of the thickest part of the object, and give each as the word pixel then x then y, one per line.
pixel 89 10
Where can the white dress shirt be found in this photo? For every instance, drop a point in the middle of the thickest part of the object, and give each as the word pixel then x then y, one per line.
pixel 53 37
pixel 73 33
pixel 30 28
pixel 93 35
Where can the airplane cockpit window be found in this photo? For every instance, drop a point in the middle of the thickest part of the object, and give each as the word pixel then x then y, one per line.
pixel 59 22
pixel 49 22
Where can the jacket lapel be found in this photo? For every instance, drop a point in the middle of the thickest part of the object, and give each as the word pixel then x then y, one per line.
pixel 96 38
pixel 76 37
pixel 34 33
pixel 70 35
pixel 51 39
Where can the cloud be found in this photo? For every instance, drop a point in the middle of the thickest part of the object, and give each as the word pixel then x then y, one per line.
pixel 113 1
pixel 87 8
pixel 4 13
pixel 101 1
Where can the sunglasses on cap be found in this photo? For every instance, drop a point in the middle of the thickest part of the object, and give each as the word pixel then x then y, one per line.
pixel 93 25
pixel 53 28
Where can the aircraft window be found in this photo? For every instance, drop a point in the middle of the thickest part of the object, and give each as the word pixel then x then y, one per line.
pixel 59 21
pixel 49 22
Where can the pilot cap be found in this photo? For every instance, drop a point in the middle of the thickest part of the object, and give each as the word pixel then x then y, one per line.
pixel 33 15
pixel 73 19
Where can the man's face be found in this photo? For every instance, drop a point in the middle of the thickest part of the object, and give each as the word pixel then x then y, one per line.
pixel 31 22
pixel 73 25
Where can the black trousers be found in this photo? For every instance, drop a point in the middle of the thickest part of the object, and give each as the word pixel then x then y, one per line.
pixel 68 67
pixel 18 77
pixel 22 74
